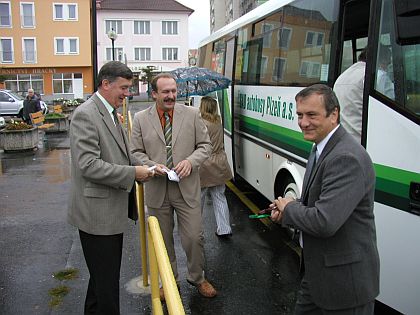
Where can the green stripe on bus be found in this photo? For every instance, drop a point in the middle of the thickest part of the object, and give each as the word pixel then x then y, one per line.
pixel 227 112
pixel 393 186
pixel 279 136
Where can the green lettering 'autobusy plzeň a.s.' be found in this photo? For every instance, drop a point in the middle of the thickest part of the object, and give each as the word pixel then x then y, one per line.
pixel 267 106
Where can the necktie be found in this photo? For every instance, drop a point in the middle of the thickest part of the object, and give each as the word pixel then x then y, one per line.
pixel 168 139
pixel 117 124
pixel 311 162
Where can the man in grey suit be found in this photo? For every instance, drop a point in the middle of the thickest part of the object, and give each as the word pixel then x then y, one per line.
pixel 102 185
pixel 169 136
pixel 334 214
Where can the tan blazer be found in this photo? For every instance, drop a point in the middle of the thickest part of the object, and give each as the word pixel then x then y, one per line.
pixel 190 141
pixel 101 175
pixel 216 170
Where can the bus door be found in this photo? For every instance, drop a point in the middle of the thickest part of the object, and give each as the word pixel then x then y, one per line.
pixel 393 142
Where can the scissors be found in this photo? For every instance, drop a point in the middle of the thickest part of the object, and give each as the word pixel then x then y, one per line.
pixel 264 213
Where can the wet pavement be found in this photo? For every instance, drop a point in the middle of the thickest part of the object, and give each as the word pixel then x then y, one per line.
pixel 254 271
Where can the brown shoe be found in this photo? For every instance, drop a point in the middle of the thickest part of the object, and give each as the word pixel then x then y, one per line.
pixel 206 289
pixel 161 294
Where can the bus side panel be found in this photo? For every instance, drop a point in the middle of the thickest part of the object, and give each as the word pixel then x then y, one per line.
pixel 265 121
pixel 393 143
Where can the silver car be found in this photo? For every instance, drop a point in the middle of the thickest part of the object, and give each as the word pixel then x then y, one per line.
pixel 11 104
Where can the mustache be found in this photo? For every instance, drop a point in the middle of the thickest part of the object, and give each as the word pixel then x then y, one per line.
pixel 169 99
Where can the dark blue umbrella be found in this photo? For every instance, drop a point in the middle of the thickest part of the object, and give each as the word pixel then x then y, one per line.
pixel 198 81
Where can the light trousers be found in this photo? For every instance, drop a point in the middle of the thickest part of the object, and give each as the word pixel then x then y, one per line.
pixel 220 207
pixel 189 228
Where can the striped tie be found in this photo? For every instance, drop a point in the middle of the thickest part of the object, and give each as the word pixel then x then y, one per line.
pixel 168 139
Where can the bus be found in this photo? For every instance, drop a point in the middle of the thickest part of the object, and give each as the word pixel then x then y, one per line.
pixel 282 46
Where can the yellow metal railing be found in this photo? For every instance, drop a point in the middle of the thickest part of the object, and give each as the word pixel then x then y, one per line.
pixel 142 216
pixel 158 256
pixel 160 265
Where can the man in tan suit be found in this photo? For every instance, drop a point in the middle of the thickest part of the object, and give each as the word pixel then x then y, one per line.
pixel 102 180
pixel 173 136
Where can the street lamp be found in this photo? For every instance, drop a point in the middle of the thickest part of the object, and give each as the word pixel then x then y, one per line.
pixel 112 35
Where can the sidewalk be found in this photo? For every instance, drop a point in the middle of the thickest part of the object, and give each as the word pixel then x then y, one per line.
pixel 253 271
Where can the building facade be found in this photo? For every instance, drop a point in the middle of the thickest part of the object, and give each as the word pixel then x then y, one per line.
pixel 46 45
pixel 223 12
pixel 149 34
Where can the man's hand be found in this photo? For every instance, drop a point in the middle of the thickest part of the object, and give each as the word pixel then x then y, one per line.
pixel 183 168
pixel 279 204
pixel 159 169
pixel 143 173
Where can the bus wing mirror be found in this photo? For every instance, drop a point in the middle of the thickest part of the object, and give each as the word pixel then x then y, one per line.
pixel 407 21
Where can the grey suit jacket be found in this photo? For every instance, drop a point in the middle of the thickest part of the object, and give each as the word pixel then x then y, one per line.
pixel 101 175
pixel 190 141
pixel 336 217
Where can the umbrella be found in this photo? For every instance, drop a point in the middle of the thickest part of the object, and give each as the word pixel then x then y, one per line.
pixel 198 81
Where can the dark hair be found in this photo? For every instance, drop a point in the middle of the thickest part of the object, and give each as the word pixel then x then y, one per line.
pixel 384 55
pixel 157 77
pixel 328 96
pixel 113 70
pixel 363 55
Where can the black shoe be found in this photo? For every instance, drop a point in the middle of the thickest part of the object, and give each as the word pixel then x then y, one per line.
pixel 223 236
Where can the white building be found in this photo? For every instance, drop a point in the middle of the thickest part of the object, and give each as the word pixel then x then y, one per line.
pixel 148 33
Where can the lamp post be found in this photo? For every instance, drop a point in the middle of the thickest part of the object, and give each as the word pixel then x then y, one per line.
pixel 112 35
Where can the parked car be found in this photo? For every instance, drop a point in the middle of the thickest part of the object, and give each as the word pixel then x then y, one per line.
pixel 12 104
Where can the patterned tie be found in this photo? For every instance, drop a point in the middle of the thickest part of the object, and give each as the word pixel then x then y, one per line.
pixel 168 139
pixel 117 122
pixel 311 162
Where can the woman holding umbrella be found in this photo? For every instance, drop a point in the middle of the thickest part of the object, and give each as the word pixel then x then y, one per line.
pixel 216 170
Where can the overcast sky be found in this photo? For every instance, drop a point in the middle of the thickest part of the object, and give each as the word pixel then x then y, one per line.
pixel 198 22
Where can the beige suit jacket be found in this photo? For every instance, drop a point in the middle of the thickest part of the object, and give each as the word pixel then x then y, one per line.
pixel 190 141
pixel 101 175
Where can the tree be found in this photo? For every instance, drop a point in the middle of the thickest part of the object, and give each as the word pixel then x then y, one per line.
pixel 147 78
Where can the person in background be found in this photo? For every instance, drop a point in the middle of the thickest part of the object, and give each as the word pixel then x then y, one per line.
pixel 383 82
pixel 31 104
pixel 102 187
pixel 335 213
pixel 349 90
pixel 215 171
pixel 174 138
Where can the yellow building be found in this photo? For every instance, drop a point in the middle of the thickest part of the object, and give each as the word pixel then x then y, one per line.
pixel 47 45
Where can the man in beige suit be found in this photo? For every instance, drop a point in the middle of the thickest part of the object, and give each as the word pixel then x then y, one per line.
pixel 173 136
pixel 102 181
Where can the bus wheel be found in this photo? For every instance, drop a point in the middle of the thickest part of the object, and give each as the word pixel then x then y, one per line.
pixel 291 191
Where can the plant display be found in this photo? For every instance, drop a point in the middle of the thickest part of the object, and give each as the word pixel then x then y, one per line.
pixel 54 116
pixel 17 125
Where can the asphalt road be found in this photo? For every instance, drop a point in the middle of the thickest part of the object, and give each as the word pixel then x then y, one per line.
pixel 254 271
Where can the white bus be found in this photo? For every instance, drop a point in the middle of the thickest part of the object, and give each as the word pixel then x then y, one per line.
pixel 282 46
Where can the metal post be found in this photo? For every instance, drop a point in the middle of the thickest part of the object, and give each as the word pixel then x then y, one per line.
pixel 113 50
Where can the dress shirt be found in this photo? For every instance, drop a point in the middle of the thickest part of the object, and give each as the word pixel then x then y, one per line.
pixel 161 115
pixel 108 106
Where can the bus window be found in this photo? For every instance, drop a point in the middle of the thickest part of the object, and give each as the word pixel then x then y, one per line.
pixel 384 79
pixel 397 67
pixel 411 62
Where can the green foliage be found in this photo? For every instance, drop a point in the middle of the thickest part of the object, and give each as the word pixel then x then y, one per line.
pixel 57 295
pixel 66 274
pixel 54 116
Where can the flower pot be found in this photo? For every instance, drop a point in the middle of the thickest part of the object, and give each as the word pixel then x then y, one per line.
pixel 61 124
pixel 68 110
pixel 19 140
